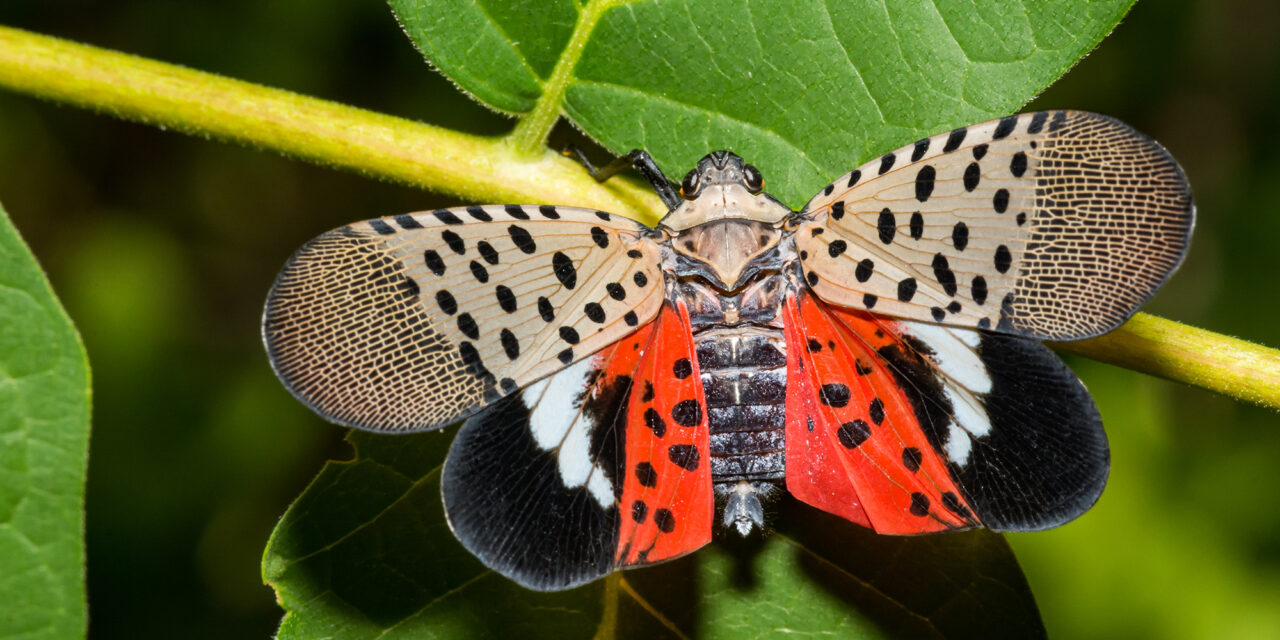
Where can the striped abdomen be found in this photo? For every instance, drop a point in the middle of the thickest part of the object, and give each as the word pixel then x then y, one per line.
pixel 744 374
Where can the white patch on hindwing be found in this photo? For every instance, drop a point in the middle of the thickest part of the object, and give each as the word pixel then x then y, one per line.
pixel 558 424
pixel 954 355
pixel 964 381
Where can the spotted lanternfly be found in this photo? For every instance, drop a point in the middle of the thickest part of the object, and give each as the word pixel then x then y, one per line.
pixel 875 353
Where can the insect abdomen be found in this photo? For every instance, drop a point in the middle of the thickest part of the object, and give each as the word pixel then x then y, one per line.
pixel 744 374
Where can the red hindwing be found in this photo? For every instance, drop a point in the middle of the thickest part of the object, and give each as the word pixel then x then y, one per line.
pixel 667 505
pixel 855 446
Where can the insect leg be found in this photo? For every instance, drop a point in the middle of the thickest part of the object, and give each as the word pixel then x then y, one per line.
pixel 641 161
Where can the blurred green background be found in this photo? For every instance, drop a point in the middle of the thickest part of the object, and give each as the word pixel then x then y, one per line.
pixel 162 247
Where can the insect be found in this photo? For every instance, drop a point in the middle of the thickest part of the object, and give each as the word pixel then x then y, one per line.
pixel 627 389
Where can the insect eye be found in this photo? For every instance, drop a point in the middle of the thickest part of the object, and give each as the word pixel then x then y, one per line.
pixel 691 184
pixel 751 176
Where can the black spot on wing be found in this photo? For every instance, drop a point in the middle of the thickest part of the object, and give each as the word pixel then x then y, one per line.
pixel 454 241
pixel 407 222
pixel 1018 165
pixel 433 261
pixel 972 176
pixel 919 505
pixel 875 411
pixel 687 413
pixel 545 309
pixel 960 236
pixel 480 273
pixel 854 433
pixel 1003 259
pixel 506 298
pixel 600 237
pixel 979 290
pixel 654 421
pixel 1005 127
pixel 446 216
pixel 886 163
pixel 665 520
pixel 907 290
pixel 467 325
pixel 944 275
pixel 834 395
pixel 684 456
pixel 522 239
pixel 911 459
pixel 446 302
pixel 865 268
pixel 921 147
pixel 886 226
pixel 646 475
pixel 924 182
pixel 639 511
pixel 569 335
pixel 565 272
pixel 1037 122
pixel 487 252
pixel 1000 201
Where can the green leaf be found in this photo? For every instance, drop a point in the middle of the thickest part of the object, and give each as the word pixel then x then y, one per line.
pixel 805 90
pixel 44 434
pixel 365 552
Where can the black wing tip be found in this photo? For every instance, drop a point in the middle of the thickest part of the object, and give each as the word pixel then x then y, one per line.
pixel 506 504
pixel 1047 459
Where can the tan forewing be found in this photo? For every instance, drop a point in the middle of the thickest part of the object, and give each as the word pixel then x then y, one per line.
pixel 415 321
pixel 1054 225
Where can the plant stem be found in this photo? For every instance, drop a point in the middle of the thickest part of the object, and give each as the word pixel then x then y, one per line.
pixel 1178 352
pixel 530 135
pixel 492 170
pixel 319 131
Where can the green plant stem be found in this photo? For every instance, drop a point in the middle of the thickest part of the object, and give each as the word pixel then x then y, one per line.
pixel 492 170
pixel 1178 352
pixel 530 134
pixel 327 133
